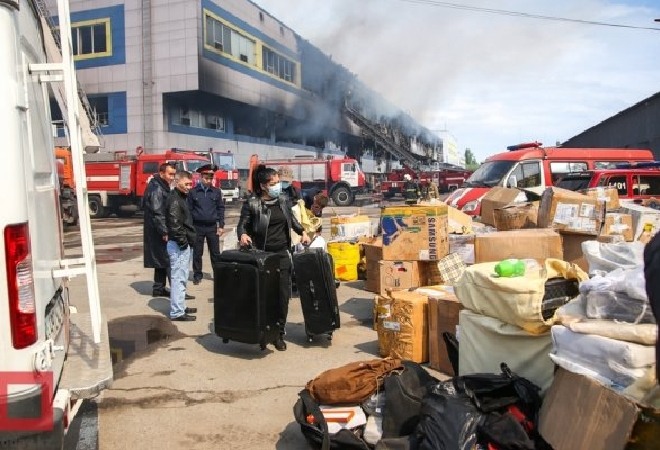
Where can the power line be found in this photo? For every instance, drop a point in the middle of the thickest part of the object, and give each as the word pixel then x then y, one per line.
pixel 505 12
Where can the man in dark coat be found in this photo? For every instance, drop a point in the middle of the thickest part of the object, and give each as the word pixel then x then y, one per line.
pixel 652 275
pixel 208 214
pixel 155 227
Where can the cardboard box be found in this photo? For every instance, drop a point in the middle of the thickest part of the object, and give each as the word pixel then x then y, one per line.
pixel 642 217
pixel 607 194
pixel 618 224
pixel 349 227
pixel 517 216
pixel 396 275
pixel 372 281
pixel 572 249
pixel 579 413
pixel 539 244
pixel 463 245
pixel 570 212
pixel 413 233
pixel 443 317
pixel 403 326
pixel 498 197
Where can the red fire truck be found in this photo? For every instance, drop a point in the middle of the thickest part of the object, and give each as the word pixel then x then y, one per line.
pixel 341 179
pixel 447 180
pixel 226 177
pixel 116 181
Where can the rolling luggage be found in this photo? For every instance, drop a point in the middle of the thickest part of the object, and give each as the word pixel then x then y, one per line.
pixel 318 293
pixel 246 286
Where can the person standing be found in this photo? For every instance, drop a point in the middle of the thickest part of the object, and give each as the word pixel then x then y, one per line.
pixel 181 238
pixel 410 190
pixel 155 227
pixel 207 208
pixel 265 222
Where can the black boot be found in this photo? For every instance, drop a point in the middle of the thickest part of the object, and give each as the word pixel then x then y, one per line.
pixel 279 343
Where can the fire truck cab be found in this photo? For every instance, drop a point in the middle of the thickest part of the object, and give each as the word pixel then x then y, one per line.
pixel 532 167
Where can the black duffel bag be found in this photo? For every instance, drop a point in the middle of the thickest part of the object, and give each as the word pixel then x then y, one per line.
pixel 317 434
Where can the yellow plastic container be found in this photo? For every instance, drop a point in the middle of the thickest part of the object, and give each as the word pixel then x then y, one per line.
pixel 346 256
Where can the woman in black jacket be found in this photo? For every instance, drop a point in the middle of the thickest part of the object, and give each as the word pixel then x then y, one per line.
pixel 266 222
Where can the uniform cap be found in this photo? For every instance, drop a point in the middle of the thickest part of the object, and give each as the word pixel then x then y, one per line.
pixel 207 168
pixel 407 177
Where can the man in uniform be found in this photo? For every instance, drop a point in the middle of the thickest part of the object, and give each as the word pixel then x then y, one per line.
pixel 207 208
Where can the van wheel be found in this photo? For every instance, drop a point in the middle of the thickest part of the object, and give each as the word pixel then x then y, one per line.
pixel 342 196
pixel 96 209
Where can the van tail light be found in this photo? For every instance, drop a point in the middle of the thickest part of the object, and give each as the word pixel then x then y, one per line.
pixel 20 286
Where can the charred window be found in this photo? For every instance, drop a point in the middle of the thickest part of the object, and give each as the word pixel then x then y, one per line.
pixel 278 65
pixel 220 37
pixel 101 111
pixel 91 39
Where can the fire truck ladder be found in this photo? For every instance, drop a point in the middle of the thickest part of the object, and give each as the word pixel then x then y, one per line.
pixel 375 132
pixel 89 365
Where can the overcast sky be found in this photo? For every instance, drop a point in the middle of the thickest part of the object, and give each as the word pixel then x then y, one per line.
pixel 491 80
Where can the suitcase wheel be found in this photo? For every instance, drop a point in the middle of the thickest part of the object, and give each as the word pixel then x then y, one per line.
pixel 310 337
pixel 262 346
pixel 225 340
pixel 329 336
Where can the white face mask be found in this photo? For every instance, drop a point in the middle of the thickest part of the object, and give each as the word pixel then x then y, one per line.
pixel 275 191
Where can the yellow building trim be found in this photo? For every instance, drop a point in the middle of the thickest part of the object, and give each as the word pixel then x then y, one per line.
pixel 108 38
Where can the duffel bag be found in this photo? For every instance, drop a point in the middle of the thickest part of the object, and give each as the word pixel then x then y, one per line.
pixel 314 427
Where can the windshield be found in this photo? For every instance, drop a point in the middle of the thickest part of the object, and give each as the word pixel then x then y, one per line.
pixel 194 164
pixel 489 174
pixel 224 161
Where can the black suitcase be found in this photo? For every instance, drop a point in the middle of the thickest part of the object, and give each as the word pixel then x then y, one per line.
pixel 558 292
pixel 246 286
pixel 315 279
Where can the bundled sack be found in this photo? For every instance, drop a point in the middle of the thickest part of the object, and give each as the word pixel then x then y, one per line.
pixel 518 300
pixel 486 410
pixel 603 257
pixel 352 383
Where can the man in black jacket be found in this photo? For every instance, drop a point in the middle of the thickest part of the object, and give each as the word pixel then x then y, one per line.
pixel 207 208
pixel 155 227
pixel 181 238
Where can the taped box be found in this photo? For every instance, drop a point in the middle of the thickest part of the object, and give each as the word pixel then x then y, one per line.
pixel 403 326
pixel 645 220
pixel 579 413
pixel 607 194
pixel 413 233
pixel 569 212
pixel 618 224
pixel 349 227
pixel 539 244
pixel 498 197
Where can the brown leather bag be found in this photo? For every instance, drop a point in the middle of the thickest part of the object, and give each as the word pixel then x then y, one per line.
pixel 352 383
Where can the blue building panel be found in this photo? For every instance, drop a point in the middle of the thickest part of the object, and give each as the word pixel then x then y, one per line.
pixel 117 112
pixel 117 34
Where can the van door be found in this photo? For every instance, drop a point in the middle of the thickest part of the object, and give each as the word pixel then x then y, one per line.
pixel 527 175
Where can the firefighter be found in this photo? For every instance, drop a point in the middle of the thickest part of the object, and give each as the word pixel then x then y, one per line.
pixel 410 190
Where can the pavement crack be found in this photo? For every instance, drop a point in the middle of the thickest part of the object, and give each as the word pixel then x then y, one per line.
pixel 166 397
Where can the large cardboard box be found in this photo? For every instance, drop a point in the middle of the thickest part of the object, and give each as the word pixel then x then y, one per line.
pixel 497 197
pixel 607 194
pixel 531 243
pixel 579 413
pixel 570 212
pixel 403 326
pixel 397 275
pixel 414 232
pixel 443 317
pixel 373 254
pixel 618 224
pixel 345 228
pixel 459 222
pixel 643 217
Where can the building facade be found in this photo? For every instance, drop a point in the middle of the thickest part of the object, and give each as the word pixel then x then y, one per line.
pixel 634 127
pixel 228 76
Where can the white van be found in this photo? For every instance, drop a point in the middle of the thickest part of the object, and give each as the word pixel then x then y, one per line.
pixel 35 319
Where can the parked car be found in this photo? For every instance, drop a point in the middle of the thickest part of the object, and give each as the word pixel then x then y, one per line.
pixel 636 182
